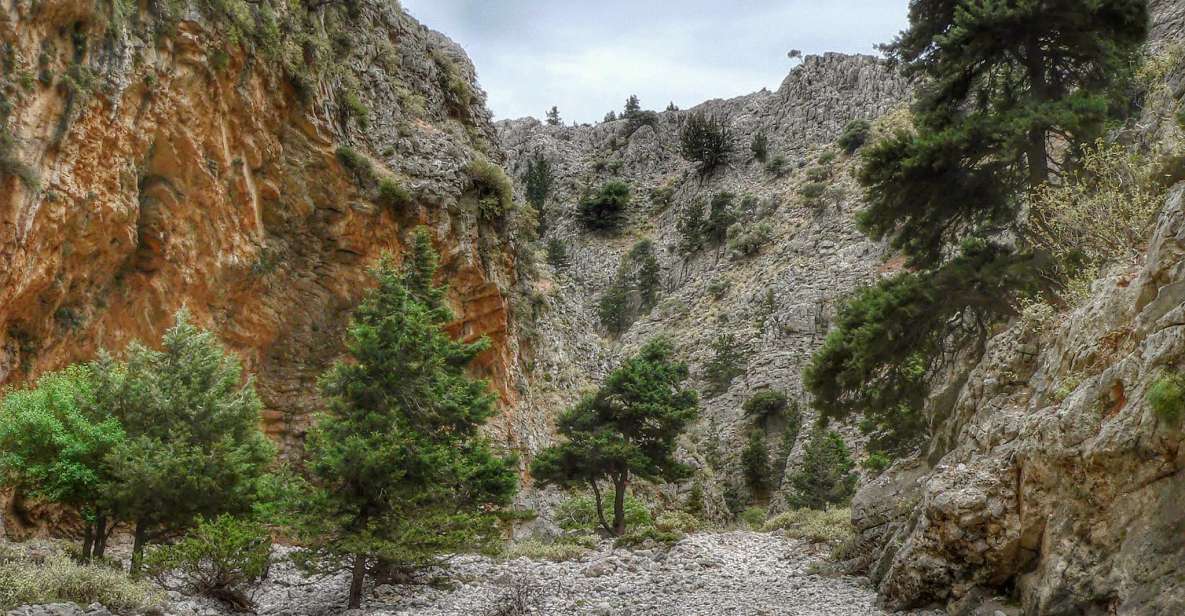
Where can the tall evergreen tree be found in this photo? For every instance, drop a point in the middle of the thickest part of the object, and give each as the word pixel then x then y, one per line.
pixel 626 430
pixel 399 470
pixel 825 477
pixel 1006 85
pixel 553 116
pixel 632 107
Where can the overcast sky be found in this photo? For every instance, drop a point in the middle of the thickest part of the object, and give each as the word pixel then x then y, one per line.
pixel 588 56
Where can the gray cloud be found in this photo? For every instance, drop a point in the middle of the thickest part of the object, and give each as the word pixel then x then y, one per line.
pixel 587 57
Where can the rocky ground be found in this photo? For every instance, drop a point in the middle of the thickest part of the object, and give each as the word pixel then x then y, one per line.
pixel 706 574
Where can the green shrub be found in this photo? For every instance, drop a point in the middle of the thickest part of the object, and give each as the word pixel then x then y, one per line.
pixel 457 91
pixel 760 146
pixel 557 551
pixel 691 228
pixel 825 477
pixel 695 498
pixel 746 242
pixel 719 287
pixel 537 181
pixel 639 535
pixel 392 194
pixel 356 163
pixel 726 364
pixel 661 196
pixel 826 158
pixel 876 463
pixel 766 404
pixel 677 521
pixel 604 208
pixel 705 140
pixel 854 135
pixel 831 525
pixel 818 174
pixel 755 462
pixel 777 166
pixel 812 193
pixel 495 192
pixel 1167 397
pixel 557 254
pixel 221 559
pixel 356 109
pixel 58 579
pixel 580 513
pixel 754 517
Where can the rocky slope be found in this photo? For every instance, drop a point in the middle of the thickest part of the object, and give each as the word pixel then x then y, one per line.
pixel 775 303
pixel 183 155
pixel 1054 482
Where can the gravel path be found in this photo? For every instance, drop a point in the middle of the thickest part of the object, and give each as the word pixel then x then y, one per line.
pixel 709 574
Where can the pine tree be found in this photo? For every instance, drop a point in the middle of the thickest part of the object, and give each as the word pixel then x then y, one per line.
pixel 825 477
pixel 755 461
pixel 553 116
pixel 725 365
pixel 193 448
pixel 691 228
pixel 632 107
pixel 720 217
pixel 399 470
pixel 1002 81
pixel 705 140
pixel 645 273
pixel 626 430
pixel 537 181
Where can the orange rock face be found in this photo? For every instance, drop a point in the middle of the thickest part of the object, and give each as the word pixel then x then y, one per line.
pixel 175 184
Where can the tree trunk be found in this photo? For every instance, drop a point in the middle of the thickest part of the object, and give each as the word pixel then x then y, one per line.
pixel 101 534
pixel 1037 153
pixel 619 485
pixel 140 538
pixel 358 576
pixel 88 541
pixel 600 507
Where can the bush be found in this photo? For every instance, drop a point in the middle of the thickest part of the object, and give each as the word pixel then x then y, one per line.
pixel 10 165
pixel 392 194
pixel 725 365
pixel 661 196
pixel 219 559
pixel 557 254
pixel 777 166
pixel 744 242
pixel 818 174
pixel 557 551
pixel 638 536
pixel 854 135
pixel 495 191
pixel 356 109
pixel 580 513
pixel 831 525
pixel 754 517
pixel 760 146
pixel 1166 396
pixel 691 228
pixel 825 477
pixel 604 209
pixel 876 463
pixel 356 163
pixel 522 597
pixel 826 158
pixel 695 499
pixel 755 462
pixel 812 193
pixel 677 521
pixel 766 404
pixel 721 216
pixel 58 579
pixel 705 140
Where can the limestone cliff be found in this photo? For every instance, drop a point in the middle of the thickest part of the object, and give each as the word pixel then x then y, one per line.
pixel 776 303
pixel 226 156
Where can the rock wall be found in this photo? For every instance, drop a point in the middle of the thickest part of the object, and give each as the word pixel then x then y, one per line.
pixel 776 303
pixel 1053 488
pixel 181 162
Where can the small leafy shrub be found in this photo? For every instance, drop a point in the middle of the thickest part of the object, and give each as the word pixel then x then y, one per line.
pixel 356 109
pixel 812 193
pixel 691 228
pixel 831 525
pixel 854 135
pixel 522 597
pixel 818 174
pixel 1166 396
pixel 356 163
pixel 777 166
pixel 825 477
pixel 495 191
pixel 694 505
pixel 392 194
pixel 753 517
pixel 580 513
pixel 59 579
pixel 721 216
pixel 557 551
pixel 220 559
pixel 661 196
pixel 719 287
pixel 705 140
pixel 876 463
pixel 604 208
pixel 677 521
pixel 746 242
pixel 457 90
pixel 766 404
pixel 638 536
pixel 557 254
pixel 760 146
pixel 826 158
